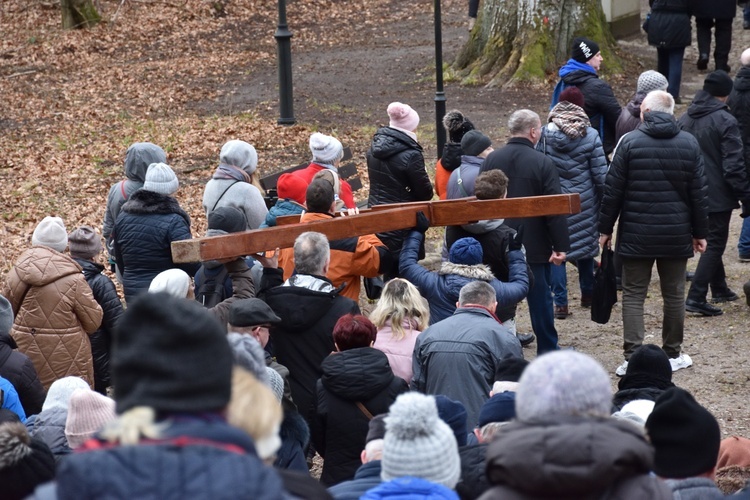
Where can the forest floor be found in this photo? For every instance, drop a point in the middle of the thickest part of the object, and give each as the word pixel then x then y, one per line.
pixel 191 74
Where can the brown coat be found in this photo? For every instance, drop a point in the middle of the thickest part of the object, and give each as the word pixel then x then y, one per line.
pixel 55 313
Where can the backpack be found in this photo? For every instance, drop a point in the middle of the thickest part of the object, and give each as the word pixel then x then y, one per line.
pixel 211 289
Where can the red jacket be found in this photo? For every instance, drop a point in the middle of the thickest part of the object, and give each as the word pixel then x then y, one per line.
pixel 309 172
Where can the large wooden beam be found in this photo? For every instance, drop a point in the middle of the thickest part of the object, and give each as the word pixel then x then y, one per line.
pixel 399 216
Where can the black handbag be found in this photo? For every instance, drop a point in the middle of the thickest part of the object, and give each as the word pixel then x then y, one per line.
pixel 374 287
pixel 605 289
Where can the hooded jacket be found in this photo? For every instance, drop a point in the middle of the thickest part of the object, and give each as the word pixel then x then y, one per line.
pixel 395 166
pixel 600 104
pixel 461 181
pixel 739 106
pixel 55 313
pixel 106 296
pixel 49 426
pixel 18 369
pixel 238 194
pixel 139 156
pixel 582 168
pixel 308 310
pixel 441 288
pixel 657 188
pixel 576 459
pixel 458 358
pixel 145 229
pixel 280 209
pixel 718 134
pixel 669 24
pixel 339 427
pixel 630 117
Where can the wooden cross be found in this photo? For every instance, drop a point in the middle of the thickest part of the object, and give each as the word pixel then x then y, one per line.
pixel 379 219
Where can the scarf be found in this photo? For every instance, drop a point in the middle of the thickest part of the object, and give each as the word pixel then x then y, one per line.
pixel 226 171
pixel 570 119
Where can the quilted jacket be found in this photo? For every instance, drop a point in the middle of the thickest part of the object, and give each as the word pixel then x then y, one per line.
pixel 55 314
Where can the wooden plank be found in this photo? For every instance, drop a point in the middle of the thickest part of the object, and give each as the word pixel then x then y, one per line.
pixel 440 213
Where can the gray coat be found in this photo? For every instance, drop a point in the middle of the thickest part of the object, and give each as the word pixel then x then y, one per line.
pixel 582 168
pixel 242 195
pixel 467 174
pixel 694 488
pixel 457 357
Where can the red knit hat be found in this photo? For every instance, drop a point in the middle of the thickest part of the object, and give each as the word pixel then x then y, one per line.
pixel 293 187
pixel 573 95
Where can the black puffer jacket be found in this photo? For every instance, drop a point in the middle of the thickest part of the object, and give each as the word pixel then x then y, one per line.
pixel 452 156
pixel 739 106
pixel 395 166
pixel 18 369
pixel 473 480
pixel 657 187
pixel 625 396
pixel 339 427
pixel 716 9
pixel 147 225
pixel 669 24
pixel 106 296
pixel 718 134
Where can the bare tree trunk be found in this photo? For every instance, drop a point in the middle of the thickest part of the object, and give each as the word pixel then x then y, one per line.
pixel 79 14
pixel 527 40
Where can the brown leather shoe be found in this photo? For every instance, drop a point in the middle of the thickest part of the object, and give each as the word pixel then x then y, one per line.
pixel 586 301
pixel 561 312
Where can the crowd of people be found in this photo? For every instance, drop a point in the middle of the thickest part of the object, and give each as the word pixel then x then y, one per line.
pixel 224 379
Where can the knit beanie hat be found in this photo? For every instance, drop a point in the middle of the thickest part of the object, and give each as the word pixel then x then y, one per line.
pixel 239 154
pixel 685 435
pixel 251 312
pixel 376 428
pixel 175 282
pixel 171 355
pixel 59 393
pixel 25 462
pixel 651 80
pixel 573 95
pixel 88 413
pixel 466 251
pixel 6 320
pixel 583 49
pixel 648 366
pixel 227 219
pixel 292 187
pixel 734 450
pixel 453 413
pixel 403 116
pixel 456 124
pixel 84 243
pixel 160 178
pixel 248 354
pixel 325 149
pixel 718 83
pixel 499 408
pixel 474 142
pixel 417 443
pixel 7 415
pixel 275 382
pixel 51 233
pixel 563 384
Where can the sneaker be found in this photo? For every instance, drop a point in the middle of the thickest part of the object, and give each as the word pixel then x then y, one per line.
pixel 623 368
pixel 680 362
pixel 472 22
pixel 525 338
pixel 744 258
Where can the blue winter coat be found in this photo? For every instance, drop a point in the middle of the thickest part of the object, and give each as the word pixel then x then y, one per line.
pixel 49 426
pixel 280 209
pixel 144 231
pixel 441 288
pixel 582 168
pixel 366 478
pixel 410 488
pixel 10 399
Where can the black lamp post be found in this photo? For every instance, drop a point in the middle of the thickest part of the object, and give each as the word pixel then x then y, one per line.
pixel 439 94
pixel 284 49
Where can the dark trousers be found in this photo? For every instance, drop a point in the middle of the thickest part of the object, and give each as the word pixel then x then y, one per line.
pixel 473 8
pixel 723 34
pixel 541 309
pixel 669 64
pixel 710 270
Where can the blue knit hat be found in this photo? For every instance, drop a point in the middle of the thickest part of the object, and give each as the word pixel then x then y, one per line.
pixel 466 251
pixel 453 413
pixel 499 408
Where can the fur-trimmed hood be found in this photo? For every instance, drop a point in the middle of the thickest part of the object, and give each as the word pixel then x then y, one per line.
pixel 149 202
pixel 475 272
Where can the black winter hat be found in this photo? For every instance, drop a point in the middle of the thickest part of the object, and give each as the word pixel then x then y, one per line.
pixel 170 354
pixel 227 219
pixel 510 369
pixel 25 462
pixel 583 49
pixel 474 142
pixel 718 83
pixel 376 429
pixel 648 366
pixel 457 125
pixel 685 435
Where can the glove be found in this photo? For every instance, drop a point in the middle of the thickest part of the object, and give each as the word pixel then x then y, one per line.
pixel 517 241
pixel 745 210
pixel 423 223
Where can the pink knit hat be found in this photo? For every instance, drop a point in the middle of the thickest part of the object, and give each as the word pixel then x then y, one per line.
pixel 88 413
pixel 403 116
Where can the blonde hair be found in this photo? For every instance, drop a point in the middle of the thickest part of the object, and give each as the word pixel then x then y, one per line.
pixel 132 426
pixel 401 301
pixel 254 409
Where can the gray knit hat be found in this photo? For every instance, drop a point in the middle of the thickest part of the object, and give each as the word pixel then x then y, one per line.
pixel 418 443
pixel 651 80
pixel 175 282
pixel 6 319
pixel 474 142
pixel 239 154
pixel 325 149
pixel 160 178
pixel 59 393
pixel 51 233
pixel 275 382
pixel 84 243
pixel 248 354
pixel 563 384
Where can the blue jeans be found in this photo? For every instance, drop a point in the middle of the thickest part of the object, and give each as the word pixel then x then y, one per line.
pixel 669 64
pixel 746 14
pixel 559 280
pixel 743 246
pixel 540 309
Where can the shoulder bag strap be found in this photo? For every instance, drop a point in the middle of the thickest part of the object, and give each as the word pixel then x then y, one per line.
pixel 364 410
pixel 222 195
